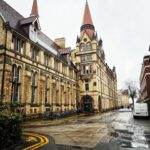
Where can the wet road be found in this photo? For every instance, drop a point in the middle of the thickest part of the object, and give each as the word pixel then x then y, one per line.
pixel 116 130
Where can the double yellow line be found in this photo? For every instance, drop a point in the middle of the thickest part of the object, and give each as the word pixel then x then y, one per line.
pixel 43 141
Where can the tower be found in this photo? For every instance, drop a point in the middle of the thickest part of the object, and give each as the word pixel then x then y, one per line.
pixel 94 73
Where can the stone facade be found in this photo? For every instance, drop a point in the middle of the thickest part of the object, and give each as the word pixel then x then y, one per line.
pixel 97 82
pixel 123 98
pixel 43 75
pixel 32 71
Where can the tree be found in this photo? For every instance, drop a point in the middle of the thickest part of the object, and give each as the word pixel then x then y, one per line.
pixel 131 85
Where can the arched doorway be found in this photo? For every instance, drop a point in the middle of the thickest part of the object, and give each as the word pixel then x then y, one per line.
pixel 99 104
pixel 87 105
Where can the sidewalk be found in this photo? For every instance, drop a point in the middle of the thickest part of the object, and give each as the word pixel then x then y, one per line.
pixel 55 122
pixel 44 123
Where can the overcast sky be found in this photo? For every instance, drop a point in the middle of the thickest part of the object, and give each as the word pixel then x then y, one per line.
pixel 123 25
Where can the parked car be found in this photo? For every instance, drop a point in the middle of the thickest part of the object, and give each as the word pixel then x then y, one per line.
pixel 140 110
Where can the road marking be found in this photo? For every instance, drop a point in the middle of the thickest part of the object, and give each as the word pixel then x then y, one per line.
pixel 43 141
pixel 31 138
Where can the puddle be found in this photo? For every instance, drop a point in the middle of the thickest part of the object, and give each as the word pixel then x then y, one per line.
pixel 139 145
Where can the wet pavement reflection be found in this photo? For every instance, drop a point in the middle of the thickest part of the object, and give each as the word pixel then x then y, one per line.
pixel 116 130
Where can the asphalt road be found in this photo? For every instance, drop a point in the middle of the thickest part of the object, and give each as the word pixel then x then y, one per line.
pixel 116 130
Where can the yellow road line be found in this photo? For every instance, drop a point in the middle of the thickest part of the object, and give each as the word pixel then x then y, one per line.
pixel 46 141
pixel 43 141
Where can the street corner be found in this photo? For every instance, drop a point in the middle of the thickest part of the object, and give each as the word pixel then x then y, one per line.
pixel 33 141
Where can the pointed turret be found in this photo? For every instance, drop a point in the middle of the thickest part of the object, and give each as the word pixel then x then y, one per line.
pixel 87 24
pixel 34 11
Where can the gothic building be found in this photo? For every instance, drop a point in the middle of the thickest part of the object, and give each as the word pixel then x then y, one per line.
pixel 97 82
pixel 44 75
pixel 34 70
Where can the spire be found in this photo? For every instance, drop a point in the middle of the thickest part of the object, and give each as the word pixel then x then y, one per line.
pixel 87 24
pixel 34 11
pixel 87 19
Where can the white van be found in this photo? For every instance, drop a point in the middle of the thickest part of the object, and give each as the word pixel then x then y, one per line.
pixel 141 110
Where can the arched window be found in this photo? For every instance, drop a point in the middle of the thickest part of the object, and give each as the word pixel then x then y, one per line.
pixel 33 87
pixel 16 83
pixel 47 90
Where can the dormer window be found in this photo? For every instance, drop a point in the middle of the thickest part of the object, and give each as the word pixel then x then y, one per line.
pixel 33 33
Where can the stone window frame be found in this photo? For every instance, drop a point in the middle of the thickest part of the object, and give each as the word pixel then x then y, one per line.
pixel 16 83
pixel 34 87
pixel 47 89
pixel 19 44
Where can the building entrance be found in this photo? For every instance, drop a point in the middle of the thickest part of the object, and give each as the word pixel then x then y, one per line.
pixel 87 103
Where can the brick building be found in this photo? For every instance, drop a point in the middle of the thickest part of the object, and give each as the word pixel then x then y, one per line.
pixel 145 78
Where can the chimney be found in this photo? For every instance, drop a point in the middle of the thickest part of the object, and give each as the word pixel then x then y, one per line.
pixel 60 42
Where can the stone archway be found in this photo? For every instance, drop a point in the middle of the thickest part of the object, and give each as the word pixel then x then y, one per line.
pixel 87 103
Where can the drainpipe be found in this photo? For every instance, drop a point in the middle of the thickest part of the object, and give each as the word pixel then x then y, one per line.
pixel 7 26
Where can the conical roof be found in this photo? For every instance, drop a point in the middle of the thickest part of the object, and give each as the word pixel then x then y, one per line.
pixel 87 19
pixel 87 24
pixel 34 11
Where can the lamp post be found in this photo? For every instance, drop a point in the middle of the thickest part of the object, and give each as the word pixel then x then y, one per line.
pixel 7 27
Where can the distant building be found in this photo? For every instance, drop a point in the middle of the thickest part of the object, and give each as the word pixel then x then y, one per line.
pixel 97 82
pixel 123 98
pixel 145 78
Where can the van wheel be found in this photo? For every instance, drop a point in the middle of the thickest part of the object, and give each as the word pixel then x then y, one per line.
pixel 134 117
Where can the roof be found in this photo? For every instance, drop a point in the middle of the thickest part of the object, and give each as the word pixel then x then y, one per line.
pixel 87 19
pixel 16 20
pixel 65 50
pixel 11 15
pixel 34 9
pixel 28 20
pixel 87 24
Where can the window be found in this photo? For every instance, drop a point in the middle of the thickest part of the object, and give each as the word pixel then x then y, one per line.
pixel 46 59
pixel 33 87
pixel 94 83
pixel 85 47
pixel 65 96
pixel 47 90
pixel 86 58
pixel 83 58
pixel 82 47
pixel 16 85
pixel 63 69
pixel 86 85
pixel 57 92
pixel 34 53
pixel 89 57
pixel 18 44
pixel 88 47
pixel 86 69
pixel 56 65
pixel 71 73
